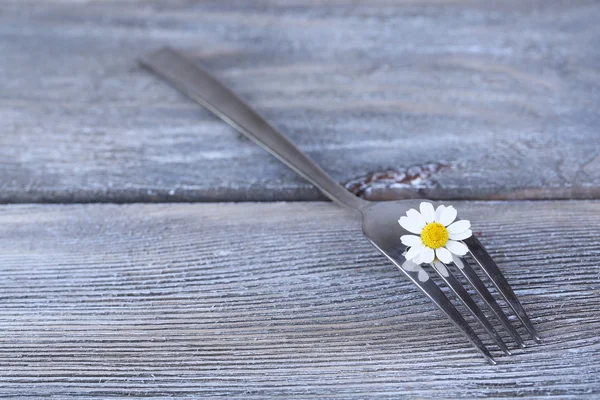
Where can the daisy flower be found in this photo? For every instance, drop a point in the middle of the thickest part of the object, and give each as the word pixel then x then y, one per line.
pixel 436 235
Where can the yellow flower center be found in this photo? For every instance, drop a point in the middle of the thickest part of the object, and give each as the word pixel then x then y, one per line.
pixel 434 235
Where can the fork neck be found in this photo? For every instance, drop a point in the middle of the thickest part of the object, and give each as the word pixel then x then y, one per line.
pixel 269 138
pixel 334 191
pixel 202 87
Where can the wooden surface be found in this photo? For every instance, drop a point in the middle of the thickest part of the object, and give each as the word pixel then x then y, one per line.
pixel 278 300
pixel 503 96
pixel 438 98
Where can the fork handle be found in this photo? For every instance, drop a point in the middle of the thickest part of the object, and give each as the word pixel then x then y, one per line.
pixel 189 78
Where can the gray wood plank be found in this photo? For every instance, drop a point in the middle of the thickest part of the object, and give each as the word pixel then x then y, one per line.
pixel 505 95
pixel 278 300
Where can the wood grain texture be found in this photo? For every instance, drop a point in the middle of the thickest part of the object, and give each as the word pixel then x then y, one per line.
pixel 278 300
pixel 506 93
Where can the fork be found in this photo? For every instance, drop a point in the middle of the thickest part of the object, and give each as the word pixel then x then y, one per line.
pixel 378 218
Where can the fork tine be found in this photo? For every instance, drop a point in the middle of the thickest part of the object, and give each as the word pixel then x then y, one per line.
pixel 465 298
pixel 490 268
pixel 465 268
pixel 430 288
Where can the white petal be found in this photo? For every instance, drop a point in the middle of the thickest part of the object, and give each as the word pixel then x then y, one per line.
pixel 408 265
pixel 461 236
pixel 443 255
pixel 427 255
pixel 457 261
pixel 414 251
pixel 448 216
pixel 441 268
pixel 410 225
pixel 459 226
pixel 416 217
pixel 457 248
pixel 438 212
pixel 427 211
pixel 410 240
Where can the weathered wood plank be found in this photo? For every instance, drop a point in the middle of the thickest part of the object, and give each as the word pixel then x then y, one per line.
pixel 278 300
pixel 506 94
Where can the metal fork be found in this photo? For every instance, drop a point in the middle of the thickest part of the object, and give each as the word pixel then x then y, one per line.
pixel 379 219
